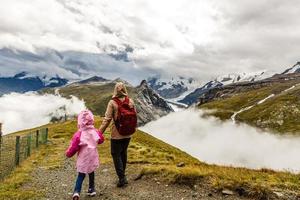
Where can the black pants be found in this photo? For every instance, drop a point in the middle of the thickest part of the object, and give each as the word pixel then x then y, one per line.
pixel 80 179
pixel 119 155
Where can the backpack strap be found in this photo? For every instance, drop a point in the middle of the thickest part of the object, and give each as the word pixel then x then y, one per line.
pixel 119 102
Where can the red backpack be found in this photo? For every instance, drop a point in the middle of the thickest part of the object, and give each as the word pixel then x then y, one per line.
pixel 126 121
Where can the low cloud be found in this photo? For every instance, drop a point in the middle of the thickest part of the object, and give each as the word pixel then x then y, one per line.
pixel 225 143
pixel 23 111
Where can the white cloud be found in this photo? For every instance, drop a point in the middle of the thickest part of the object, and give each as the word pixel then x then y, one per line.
pixel 215 142
pixel 200 38
pixel 23 111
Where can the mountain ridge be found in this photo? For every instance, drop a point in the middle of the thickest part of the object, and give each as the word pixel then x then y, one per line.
pixel 23 82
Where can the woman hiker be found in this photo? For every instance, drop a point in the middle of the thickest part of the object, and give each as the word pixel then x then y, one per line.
pixel 121 111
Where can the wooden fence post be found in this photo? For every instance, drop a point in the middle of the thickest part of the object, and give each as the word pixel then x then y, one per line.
pixel 28 145
pixel 46 137
pixel 0 141
pixel 17 155
pixel 37 139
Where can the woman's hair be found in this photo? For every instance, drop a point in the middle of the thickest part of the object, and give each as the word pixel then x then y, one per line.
pixel 120 90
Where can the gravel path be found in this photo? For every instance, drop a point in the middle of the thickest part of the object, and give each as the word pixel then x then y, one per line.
pixel 59 183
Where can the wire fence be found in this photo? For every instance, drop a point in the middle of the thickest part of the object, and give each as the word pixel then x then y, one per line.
pixel 14 149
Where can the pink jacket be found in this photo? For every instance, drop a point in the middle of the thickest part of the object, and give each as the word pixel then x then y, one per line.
pixel 85 142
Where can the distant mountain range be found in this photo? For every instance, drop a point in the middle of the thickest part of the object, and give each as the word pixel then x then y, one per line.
pixel 188 90
pixel 76 65
pixel 24 82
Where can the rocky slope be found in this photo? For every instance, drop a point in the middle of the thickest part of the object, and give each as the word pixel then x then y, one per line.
pixel 149 104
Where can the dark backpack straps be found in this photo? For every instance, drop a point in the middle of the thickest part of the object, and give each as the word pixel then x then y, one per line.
pixel 126 100
pixel 119 102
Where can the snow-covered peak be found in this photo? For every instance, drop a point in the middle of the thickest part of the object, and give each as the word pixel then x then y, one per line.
pixel 172 87
pixel 169 83
pixel 294 69
pixel 45 80
pixel 48 81
pixel 242 77
pixel 24 75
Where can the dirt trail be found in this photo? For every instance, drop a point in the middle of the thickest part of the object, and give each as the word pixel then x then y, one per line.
pixel 58 184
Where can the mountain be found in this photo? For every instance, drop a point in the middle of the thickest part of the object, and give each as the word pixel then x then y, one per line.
pixel 195 91
pixel 243 77
pixel 294 69
pixel 149 104
pixel 173 87
pixel 93 79
pixel 24 82
pixel 194 96
pixel 271 103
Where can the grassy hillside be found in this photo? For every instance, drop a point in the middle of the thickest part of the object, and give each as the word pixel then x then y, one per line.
pixel 96 96
pixel 280 113
pixel 151 157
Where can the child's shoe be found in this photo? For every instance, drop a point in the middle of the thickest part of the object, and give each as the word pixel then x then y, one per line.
pixel 91 192
pixel 76 196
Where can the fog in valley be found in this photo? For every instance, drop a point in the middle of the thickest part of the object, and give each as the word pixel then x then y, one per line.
pixel 226 143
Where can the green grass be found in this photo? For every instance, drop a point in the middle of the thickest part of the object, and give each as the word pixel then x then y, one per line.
pixel 151 157
pixel 96 97
pixel 280 114
pixel 224 108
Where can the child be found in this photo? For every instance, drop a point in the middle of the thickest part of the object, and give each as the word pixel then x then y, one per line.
pixel 85 142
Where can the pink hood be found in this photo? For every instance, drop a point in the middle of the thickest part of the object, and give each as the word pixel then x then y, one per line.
pixel 85 120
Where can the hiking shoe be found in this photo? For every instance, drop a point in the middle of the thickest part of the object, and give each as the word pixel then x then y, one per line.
pixel 76 196
pixel 121 183
pixel 91 192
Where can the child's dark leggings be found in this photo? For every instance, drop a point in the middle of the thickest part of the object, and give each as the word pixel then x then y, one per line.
pixel 80 179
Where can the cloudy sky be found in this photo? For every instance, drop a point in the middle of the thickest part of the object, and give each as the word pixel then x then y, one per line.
pixel 198 38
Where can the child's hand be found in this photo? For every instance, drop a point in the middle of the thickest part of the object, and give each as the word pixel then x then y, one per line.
pixel 101 137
